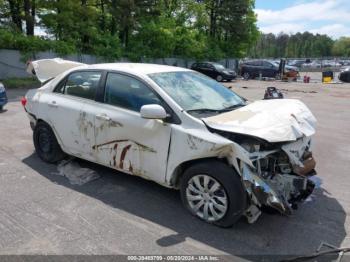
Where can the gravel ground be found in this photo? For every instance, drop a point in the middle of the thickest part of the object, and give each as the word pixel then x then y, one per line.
pixel 42 213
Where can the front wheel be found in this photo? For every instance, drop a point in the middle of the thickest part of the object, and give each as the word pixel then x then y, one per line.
pixel 45 143
pixel 213 192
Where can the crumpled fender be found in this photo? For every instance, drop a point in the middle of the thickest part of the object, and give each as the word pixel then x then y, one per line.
pixel 197 144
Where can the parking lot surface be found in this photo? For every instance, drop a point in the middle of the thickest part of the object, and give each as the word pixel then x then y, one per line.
pixel 42 213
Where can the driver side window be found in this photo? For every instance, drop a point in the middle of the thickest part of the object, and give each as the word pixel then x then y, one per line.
pixel 128 92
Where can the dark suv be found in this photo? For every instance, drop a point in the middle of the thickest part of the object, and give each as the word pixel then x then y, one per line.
pixel 253 69
pixel 214 70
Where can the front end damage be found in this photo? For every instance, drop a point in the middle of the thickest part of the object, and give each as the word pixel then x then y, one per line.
pixel 275 175
pixel 275 136
pixel 278 176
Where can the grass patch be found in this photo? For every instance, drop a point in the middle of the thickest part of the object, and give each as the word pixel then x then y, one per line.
pixel 28 82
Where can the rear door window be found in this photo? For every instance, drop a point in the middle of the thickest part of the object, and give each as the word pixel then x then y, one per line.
pixel 82 84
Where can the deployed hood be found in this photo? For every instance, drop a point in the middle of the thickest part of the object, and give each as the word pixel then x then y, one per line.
pixel 48 68
pixel 276 120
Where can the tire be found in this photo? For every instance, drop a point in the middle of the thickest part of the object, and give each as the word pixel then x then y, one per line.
pixel 219 78
pixel 246 75
pixel 1 108
pixel 45 143
pixel 230 188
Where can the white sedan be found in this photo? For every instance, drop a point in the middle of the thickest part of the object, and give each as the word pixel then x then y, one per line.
pixel 178 128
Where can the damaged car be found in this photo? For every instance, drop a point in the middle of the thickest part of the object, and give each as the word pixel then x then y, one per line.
pixel 179 128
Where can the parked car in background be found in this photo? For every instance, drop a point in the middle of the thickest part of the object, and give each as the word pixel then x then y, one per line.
pixel 286 67
pixel 313 64
pixel 296 63
pixel 256 68
pixel 344 74
pixel 179 128
pixel 215 71
pixel 330 63
pixel 345 62
pixel 3 96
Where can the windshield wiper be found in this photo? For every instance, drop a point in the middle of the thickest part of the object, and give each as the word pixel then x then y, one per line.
pixel 209 110
pixel 202 110
pixel 230 108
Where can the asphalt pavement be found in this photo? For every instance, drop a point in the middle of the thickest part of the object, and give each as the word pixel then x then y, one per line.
pixel 42 213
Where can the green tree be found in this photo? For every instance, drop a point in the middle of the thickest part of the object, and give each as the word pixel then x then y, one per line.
pixel 198 29
pixel 342 47
pixel 296 45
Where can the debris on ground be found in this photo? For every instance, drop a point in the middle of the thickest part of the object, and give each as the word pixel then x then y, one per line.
pixel 298 91
pixel 76 174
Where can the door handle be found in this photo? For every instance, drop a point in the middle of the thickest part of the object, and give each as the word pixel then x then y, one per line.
pixel 53 104
pixel 103 117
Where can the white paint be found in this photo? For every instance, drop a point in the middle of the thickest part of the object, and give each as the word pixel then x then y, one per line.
pixel 151 148
pixel 153 112
pixel 47 68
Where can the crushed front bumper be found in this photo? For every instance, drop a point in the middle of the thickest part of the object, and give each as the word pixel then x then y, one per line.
pixel 282 186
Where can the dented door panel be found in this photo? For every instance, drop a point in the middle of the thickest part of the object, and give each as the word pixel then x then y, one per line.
pixel 129 143
pixel 61 112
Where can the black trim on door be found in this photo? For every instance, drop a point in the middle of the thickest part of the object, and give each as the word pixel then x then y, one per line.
pixel 100 93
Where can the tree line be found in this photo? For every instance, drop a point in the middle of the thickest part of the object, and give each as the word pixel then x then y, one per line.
pixel 141 29
pixel 131 28
pixel 299 45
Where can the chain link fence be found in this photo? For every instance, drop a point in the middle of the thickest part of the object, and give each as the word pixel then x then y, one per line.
pixel 12 64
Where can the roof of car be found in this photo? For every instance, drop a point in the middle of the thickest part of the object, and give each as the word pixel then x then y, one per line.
pixel 137 68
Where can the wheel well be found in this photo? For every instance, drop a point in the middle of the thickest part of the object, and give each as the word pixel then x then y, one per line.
pixel 39 120
pixel 180 169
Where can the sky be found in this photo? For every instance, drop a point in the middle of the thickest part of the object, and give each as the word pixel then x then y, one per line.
pixel 331 17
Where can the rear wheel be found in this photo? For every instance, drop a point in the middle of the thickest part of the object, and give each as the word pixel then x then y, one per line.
pixel 45 143
pixel 213 192
pixel 1 108
pixel 219 78
pixel 246 75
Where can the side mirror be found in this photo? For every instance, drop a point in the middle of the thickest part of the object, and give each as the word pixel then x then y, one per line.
pixel 153 111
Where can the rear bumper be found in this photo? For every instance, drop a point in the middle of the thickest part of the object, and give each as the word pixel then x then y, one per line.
pixel 32 120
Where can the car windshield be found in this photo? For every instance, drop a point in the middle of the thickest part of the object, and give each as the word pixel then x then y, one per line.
pixel 196 92
pixel 219 67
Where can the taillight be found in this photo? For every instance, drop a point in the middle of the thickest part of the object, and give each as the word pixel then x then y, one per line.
pixel 23 101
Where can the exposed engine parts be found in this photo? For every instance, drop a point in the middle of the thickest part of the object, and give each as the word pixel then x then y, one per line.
pixel 284 170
